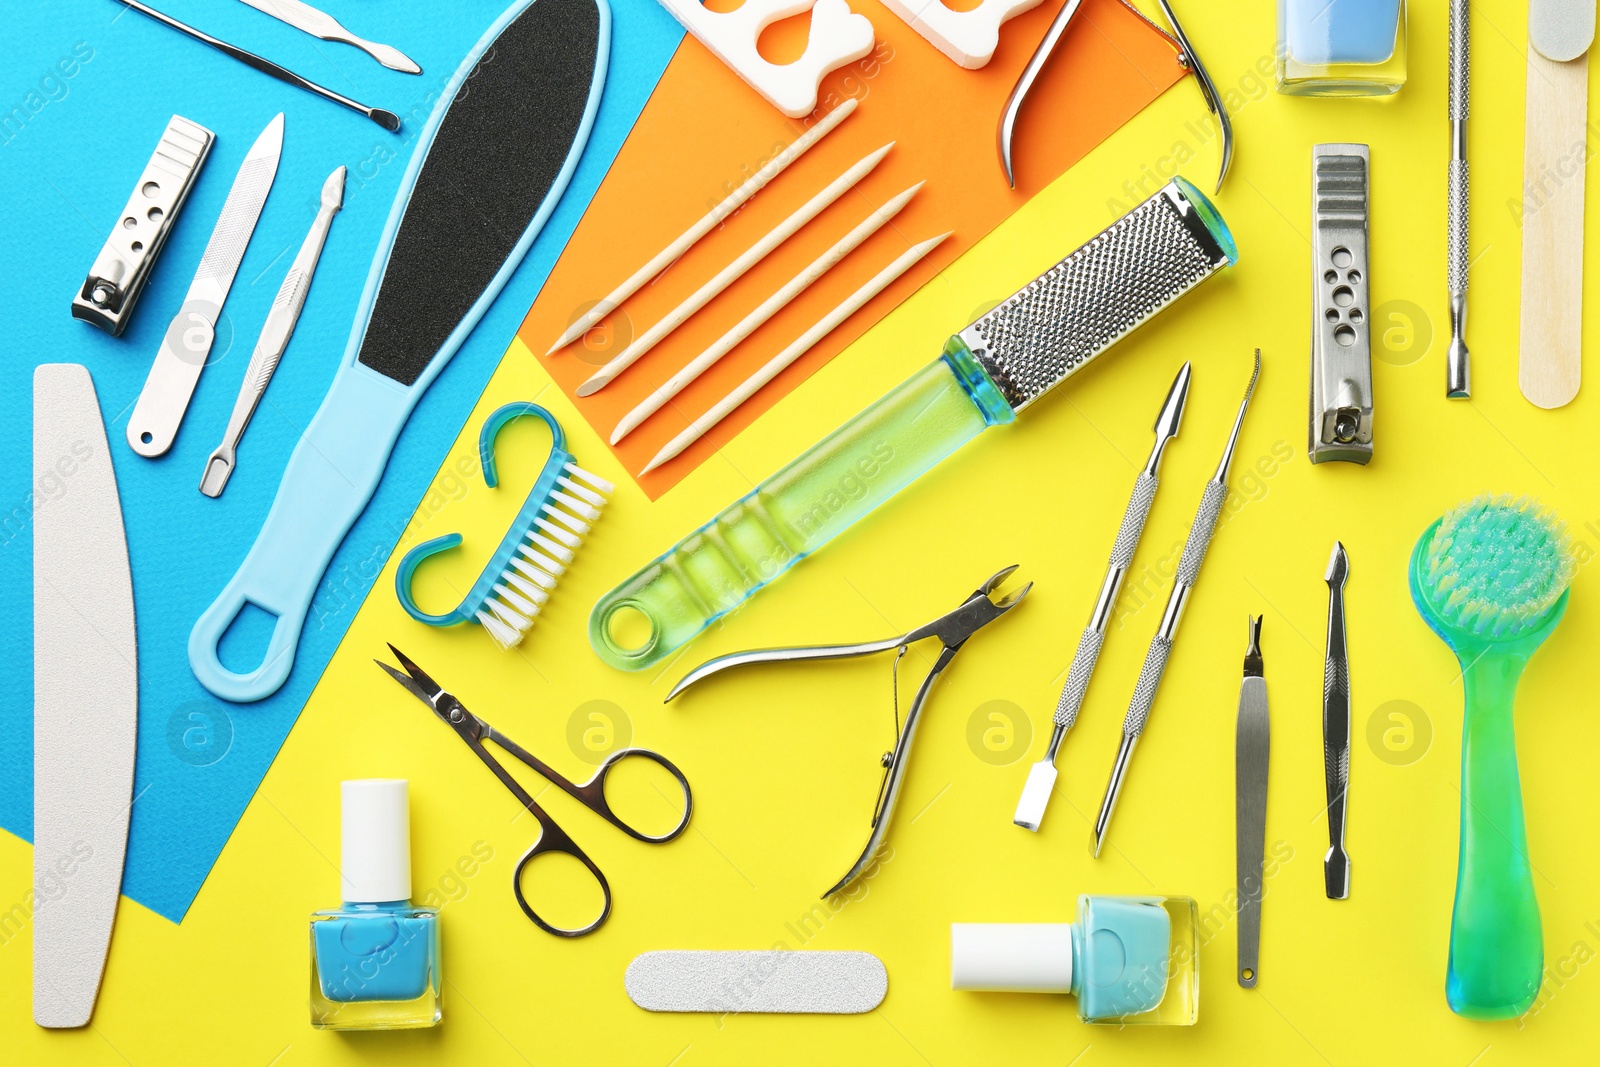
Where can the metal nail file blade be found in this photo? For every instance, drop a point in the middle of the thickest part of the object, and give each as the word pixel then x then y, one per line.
pixel 187 343
pixel 1252 746
pixel 85 696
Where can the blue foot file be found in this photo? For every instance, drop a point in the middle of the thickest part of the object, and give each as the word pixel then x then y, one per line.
pixel 490 167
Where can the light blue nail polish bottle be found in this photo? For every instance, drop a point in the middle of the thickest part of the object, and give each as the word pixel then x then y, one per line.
pixel 1341 47
pixel 1127 960
pixel 375 959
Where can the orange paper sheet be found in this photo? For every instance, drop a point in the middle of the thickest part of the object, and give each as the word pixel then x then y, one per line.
pixel 704 131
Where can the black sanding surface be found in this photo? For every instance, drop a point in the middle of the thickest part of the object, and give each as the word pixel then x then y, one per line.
pixel 501 145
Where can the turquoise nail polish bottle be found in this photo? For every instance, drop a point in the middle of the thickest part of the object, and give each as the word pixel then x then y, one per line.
pixel 1127 959
pixel 375 959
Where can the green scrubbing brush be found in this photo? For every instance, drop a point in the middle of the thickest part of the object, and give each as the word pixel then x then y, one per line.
pixel 1491 579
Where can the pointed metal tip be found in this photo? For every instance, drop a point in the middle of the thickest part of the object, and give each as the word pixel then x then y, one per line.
pixel 333 188
pixel 1338 565
pixel 1171 418
pixel 1255 376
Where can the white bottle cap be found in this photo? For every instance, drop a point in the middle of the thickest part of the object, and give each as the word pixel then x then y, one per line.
pixel 375 840
pixel 1011 957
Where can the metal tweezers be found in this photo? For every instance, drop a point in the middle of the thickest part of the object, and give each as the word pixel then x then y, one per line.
pixel 1047 47
pixel 952 631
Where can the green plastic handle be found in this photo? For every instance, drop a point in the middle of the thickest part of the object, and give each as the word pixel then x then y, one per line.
pixel 1496 944
pixel 796 511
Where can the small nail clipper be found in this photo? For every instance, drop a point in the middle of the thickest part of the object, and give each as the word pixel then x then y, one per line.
pixel 1341 335
pixel 952 631
pixel 1201 531
pixel 1042 777
pixel 1336 728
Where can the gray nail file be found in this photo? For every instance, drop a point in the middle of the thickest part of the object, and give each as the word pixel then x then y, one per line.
pixel 85 695
pixel 1561 30
pixel 773 982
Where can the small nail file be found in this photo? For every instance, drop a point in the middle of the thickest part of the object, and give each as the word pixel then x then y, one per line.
pixel 771 982
pixel 1550 364
pixel 85 695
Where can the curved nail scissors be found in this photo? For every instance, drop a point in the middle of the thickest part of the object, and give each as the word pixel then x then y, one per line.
pixel 592 794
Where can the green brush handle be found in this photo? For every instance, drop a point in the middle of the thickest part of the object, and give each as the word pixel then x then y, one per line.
pixel 1496 947
pixel 798 510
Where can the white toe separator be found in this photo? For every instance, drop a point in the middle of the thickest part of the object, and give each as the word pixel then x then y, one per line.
pixel 968 37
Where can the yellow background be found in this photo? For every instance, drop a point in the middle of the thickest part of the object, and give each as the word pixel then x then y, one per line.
pixel 783 761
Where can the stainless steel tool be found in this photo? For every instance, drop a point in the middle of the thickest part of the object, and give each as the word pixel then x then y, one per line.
pixel 320 24
pixel 1252 747
pixel 108 295
pixel 1458 369
pixel 1047 47
pixel 1336 728
pixel 1155 660
pixel 187 343
pixel 1042 776
pixel 951 630
pixel 1341 333
pixel 275 334
pixel 387 119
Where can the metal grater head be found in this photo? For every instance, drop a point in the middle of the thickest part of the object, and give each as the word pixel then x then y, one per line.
pixel 1099 294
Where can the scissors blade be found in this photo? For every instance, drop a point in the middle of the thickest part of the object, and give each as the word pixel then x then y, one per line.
pixel 404 679
pixel 430 690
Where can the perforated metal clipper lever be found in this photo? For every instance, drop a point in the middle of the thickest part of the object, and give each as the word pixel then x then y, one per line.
pixel 1341 331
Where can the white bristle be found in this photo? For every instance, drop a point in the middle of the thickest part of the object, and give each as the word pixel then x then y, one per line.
pixel 517 600
pixel 514 619
pixel 593 479
pixel 542 561
pixel 566 537
pixel 574 505
pixel 577 526
pixel 583 492
pixel 534 574
pixel 503 635
pixel 556 551
pixel 525 587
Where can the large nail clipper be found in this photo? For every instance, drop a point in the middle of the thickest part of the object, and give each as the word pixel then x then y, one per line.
pixel 1336 728
pixel 1155 660
pixel 108 294
pixel 275 335
pixel 1047 47
pixel 187 342
pixel 1042 777
pixel 1251 753
pixel 1341 335
pixel 952 630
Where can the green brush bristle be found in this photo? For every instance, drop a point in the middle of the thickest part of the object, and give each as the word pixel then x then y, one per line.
pixel 1496 564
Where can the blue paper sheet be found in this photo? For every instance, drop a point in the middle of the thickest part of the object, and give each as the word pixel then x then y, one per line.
pixel 86 90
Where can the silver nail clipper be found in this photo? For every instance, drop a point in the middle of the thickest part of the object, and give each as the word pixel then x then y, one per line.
pixel 1155 660
pixel 275 335
pixel 1336 728
pixel 111 290
pixel 951 630
pixel 1341 333
pixel 1042 776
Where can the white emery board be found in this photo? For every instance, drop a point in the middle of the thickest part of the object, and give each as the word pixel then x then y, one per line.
pixel 85 695
pixel 781 982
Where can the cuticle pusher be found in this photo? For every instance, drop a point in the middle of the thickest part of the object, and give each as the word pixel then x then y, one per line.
pixel 1252 749
pixel 1155 661
pixel 1336 728
pixel 1458 368
pixel 325 27
pixel 1042 776
pixel 275 335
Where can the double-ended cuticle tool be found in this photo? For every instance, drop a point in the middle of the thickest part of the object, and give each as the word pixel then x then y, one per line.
pixel 1251 752
pixel 1336 728
pixel 1042 777
pixel 1155 660
pixel 951 630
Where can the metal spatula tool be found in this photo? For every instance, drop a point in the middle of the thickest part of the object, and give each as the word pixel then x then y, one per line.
pixel 1252 744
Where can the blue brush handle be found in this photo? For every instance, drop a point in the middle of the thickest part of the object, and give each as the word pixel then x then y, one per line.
pixel 330 477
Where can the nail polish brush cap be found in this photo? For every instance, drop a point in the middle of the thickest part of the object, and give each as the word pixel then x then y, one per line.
pixel 1011 957
pixel 375 840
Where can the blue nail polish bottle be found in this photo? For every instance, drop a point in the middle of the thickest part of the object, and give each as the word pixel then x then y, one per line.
pixel 1128 960
pixel 1341 47
pixel 375 959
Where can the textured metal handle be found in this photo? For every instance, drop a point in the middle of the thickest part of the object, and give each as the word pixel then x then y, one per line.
pixel 1456 233
pixel 1200 534
pixel 1144 693
pixel 1460 61
pixel 1077 685
pixel 1132 528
